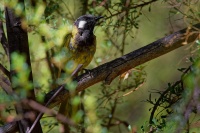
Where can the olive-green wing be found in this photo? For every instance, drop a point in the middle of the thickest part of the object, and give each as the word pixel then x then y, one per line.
pixel 61 54
pixel 66 40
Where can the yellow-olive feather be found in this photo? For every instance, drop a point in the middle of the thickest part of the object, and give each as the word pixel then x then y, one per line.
pixel 81 54
pixel 81 44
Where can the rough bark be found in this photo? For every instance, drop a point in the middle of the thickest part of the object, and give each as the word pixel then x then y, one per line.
pixel 108 71
pixel 18 42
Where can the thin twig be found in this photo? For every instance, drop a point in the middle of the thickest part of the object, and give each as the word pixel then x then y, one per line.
pixel 48 102
pixel 6 85
pixel 4 70
pixel 3 39
pixel 108 71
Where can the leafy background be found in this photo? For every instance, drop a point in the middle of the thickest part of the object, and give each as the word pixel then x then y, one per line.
pixel 154 21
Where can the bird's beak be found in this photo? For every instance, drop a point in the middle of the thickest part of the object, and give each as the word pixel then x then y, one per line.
pixel 99 17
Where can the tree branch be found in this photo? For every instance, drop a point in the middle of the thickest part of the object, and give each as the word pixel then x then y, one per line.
pixel 18 42
pixel 108 71
pixel 3 39
pixel 5 84
pixel 5 71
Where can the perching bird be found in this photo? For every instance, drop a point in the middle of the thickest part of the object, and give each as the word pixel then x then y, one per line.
pixel 81 44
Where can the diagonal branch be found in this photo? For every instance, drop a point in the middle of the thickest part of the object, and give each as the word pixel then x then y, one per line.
pixel 3 39
pixel 4 70
pixel 5 84
pixel 108 71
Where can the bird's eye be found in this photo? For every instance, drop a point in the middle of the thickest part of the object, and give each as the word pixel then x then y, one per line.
pixel 82 24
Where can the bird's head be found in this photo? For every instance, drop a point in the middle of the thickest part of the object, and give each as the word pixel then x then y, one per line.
pixel 86 22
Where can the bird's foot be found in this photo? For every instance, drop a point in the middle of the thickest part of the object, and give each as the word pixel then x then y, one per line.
pixel 77 70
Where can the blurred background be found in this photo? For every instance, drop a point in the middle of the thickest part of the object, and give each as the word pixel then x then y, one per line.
pixel 127 26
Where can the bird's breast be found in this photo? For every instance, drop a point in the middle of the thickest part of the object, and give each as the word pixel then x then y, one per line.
pixel 83 50
pixel 84 55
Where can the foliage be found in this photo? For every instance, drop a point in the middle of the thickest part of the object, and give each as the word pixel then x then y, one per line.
pixel 48 22
pixel 177 103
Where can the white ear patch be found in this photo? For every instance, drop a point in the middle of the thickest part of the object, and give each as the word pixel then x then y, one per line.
pixel 81 24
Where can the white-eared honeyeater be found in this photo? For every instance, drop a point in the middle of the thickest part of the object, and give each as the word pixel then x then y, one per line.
pixel 83 41
pixel 81 44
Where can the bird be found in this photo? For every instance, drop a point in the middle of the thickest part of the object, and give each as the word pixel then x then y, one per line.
pixel 81 45
pixel 83 42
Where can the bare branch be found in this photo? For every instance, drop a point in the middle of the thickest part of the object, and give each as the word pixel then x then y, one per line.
pixel 5 84
pixel 108 71
pixel 4 70
pixel 3 39
pixel 9 128
pixel 48 111
pixel 47 104
pixel 134 7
